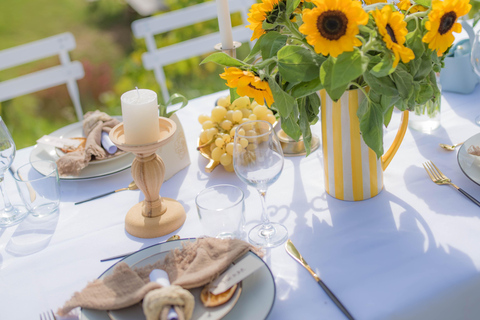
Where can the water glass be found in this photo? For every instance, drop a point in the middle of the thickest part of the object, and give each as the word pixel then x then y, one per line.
pixel 39 187
pixel 221 210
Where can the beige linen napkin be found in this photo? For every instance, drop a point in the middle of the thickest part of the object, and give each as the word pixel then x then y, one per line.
pixel 94 123
pixel 195 265
pixel 475 150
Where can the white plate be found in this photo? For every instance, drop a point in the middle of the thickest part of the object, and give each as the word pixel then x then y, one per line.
pixel 470 164
pixel 255 300
pixel 100 169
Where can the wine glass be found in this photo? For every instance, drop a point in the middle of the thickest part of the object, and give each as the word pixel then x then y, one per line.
pixel 258 161
pixel 475 61
pixel 9 215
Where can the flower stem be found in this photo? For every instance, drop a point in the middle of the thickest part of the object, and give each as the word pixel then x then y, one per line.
pixel 296 34
pixel 361 88
pixel 416 15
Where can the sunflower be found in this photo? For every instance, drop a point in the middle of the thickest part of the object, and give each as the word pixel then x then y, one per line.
pixel 248 84
pixel 406 4
pixel 442 21
pixel 369 2
pixel 393 29
pixel 332 26
pixel 259 12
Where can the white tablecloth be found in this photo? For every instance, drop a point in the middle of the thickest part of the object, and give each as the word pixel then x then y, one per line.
pixel 411 252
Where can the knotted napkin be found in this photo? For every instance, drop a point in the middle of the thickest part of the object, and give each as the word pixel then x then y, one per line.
pixel 196 264
pixel 94 123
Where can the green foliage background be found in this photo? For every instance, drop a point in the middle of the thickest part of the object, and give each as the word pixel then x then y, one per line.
pixel 109 53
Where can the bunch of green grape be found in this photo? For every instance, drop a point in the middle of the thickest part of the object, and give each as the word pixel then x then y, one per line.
pixel 219 127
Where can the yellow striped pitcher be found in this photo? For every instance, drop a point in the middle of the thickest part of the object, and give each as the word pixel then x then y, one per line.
pixel 352 170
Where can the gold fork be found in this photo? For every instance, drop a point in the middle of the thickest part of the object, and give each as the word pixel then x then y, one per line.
pixel 439 178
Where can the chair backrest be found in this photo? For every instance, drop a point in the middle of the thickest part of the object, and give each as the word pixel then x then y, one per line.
pixel 156 58
pixel 67 72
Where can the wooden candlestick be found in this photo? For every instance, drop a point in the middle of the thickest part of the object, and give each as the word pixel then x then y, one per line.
pixel 155 216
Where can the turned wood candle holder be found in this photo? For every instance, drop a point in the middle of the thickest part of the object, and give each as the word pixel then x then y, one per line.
pixel 155 216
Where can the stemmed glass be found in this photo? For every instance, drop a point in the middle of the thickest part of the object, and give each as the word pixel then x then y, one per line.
pixel 9 215
pixel 475 60
pixel 258 161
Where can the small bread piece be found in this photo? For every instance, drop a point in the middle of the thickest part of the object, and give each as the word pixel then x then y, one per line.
pixel 81 146
pixel 212 300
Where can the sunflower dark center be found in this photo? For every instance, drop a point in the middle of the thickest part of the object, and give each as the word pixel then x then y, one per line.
pixel 253 87
pixel 332 24
pixel 447 22
pixel 391 33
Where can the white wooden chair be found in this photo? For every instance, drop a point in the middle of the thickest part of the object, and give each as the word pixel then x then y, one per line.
pixel 156 58
pixel 67 72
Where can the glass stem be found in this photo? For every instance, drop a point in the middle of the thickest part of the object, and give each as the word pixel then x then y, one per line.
pixel 8 205
pixel 267 228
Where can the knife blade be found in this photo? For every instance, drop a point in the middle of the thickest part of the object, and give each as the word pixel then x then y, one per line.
pixel 174 237
pixel 292 251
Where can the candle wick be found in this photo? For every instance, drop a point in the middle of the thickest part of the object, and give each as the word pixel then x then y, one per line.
pixel 138 92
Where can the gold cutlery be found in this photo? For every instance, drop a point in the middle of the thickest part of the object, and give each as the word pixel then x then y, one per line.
pixel 174 237
pixel 297 256
pixel 439 178
pixel 449 147
pixel 131 186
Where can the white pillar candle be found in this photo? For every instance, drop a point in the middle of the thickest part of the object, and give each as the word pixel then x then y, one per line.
pixel 224 24
pixel 140 116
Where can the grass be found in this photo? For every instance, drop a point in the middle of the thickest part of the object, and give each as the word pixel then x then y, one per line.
pixel 100 46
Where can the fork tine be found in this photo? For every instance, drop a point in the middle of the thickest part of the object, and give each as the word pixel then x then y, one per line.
pixel 428 171
pixel 438 170
pixel 433 170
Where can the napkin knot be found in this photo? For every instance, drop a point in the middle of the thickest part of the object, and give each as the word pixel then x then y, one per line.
pixel 157 303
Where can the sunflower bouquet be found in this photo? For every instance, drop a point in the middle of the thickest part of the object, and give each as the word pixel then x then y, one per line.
pixel 392 52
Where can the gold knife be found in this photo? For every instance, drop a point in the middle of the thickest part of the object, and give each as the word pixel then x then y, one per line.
pixel 297 256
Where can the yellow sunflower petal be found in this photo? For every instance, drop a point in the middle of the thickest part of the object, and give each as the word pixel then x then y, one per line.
pixel 442 21
pixel 332 26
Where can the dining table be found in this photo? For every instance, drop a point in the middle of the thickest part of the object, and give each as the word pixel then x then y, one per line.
pixel 411 252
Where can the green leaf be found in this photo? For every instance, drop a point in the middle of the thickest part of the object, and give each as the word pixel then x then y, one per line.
pixel 425 66
pixel 283 101
pixel 383 85
pixel 414 42
pixel 174 97
pixel 305 128
pixel 233 94
pixel 424 94
pixel 291 6
pixel 371 126
pixel 223 59
pixel 297 64
pixel 425 3
pixel 256 48
pixel 337 73
pixel 271 43
pixel 404 82
pixel 290 124
pixel 306 88
pixel 384 67
pixel 313 108
pixel 388 116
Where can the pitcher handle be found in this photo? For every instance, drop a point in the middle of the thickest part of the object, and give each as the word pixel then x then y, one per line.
pixel 388 156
